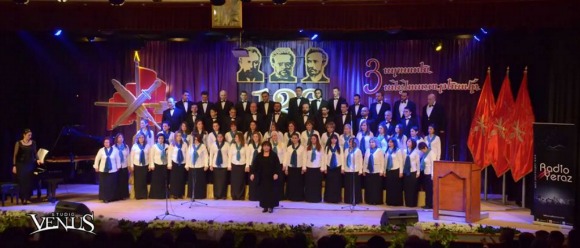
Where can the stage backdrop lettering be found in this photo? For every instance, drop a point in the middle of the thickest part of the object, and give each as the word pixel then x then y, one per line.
pixel 554 172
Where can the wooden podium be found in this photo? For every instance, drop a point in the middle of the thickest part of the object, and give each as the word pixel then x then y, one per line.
pixel 456 190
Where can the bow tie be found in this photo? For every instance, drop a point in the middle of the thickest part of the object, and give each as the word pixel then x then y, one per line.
pixel 344 114
pixel 336 98
pixel 204 103
pixel 276 113
pixel 305 115
pixel 430 106
pixel 403 101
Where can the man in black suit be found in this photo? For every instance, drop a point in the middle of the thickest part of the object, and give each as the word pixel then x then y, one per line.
pixel 209 120
pixel 388 123
pixel 342 118
pixel 295 104
pixel 254 115
pixel 279 118
pixel 335 102
pixel 317 104
pixel 356 107
pixel 304 117
pixel 185 104
pixel 224 105
pixel 172 115
pixel 322 119
pixel 364 116
pixel 378 108
pixel 408 122
pixel 228 120
pixel 433 113
pixel 243 106
pixel 266 107
pixel 192 117
pixel 204 105
pixel 401 104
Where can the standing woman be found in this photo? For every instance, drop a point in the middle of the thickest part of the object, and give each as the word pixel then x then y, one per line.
pixel 145 131
pixel 253 148
pixel 374 162
pixel 264 173
pixel 178 176
pixel 410 173
pixel 123 173
pixel 293 164
pixel 382 137
pixel 291 131
pixel 253 129
pixel 307 134
pixel 353 170
pixel 345 137
pixel 400 137
pixel 199 131
pixel 415 134
pixel 273 129
pixel 106 164
pixel 394 173
pixel 333 161
pixel 312 167
pixel 279 147
pixel 197 161
pixel 158 164
pixel 238 164
pixel 433 142
pixel 231 135
pixel 140 161
pixel 219 164
pixel 364 135
pixel 25 160
pixel 185 132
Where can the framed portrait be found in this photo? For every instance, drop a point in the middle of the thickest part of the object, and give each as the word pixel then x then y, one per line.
pixel 228 15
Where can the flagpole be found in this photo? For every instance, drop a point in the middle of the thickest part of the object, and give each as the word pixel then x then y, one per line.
pixel 503 200
pixel 137 84
pixel 524 192
pixel 485 184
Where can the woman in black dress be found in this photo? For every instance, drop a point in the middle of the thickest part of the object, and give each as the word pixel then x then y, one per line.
pixel 264 172
pixel 294 159
pixel 107 164
pixel 123 175
pixel 334 159
pixel 158 164
pixel 253 149
pixel 25 161
pixel 139 165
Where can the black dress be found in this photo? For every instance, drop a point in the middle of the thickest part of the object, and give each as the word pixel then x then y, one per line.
pixel 177 179
pixel 264 169
pixel 159 182
pixel 352 182
pixel 333 185
pixel 25 161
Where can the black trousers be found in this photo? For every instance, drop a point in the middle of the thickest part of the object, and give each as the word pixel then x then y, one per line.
pixel 427 185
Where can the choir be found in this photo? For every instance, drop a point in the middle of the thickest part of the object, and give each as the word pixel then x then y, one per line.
pixel 352 149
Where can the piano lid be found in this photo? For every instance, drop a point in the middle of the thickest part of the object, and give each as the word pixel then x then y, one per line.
pixel 73 142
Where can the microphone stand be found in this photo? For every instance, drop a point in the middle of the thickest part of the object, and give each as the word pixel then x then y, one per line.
pixel 353 206
pixel 193 201
pixel 167 200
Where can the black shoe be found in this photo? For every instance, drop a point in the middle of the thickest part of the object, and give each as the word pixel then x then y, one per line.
pixel 265 210
pixel 270 210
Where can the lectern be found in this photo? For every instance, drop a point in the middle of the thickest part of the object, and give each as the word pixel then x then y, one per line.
pixel 456 190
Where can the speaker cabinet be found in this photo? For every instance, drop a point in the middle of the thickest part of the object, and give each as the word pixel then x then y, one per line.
pixel 71 207
pixel 399 217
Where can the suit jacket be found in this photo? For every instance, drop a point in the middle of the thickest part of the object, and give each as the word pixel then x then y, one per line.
pixel 396 115
pixel 240 111
pixel 190 121
pixel 300 124
pixel 175 119
pixel 180 105
pixel 317 111
pixel 294 109
pixel 407 126
pixel 282 124
pixel 225 111
pixel 259 118
pixel 262 108
pixel 339 124
pixel 355 113
pixel 201 112
pixel 437 117
pixel 331 109
pixel 381 115
pixel 390 129
pixel 208 123
pixel 226 121
pixel 370 122
pixel 320 124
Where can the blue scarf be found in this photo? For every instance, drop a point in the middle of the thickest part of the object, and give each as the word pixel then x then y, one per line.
pixel 289 135
pixel 423 159
pixel 309 135
pixel 349 158
pixel 238 153
pixel 275 145
pixel 407 167
pixel 166 135
pixel 380 139
pixel 313 156
pixel 233 134
pixel 346 139
pixel 219 160
pixel 430 140
pixel 162 149
pixel 294 157
pixel 195 155
pixel 148 134
pixel 141 154
pixel 363 146
pixel 108 163
pixel 333 160
pixel 179 153
pixel 121 156
pixel 371 163
pixel 390 159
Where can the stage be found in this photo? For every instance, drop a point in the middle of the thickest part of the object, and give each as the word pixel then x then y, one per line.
pixel 293 213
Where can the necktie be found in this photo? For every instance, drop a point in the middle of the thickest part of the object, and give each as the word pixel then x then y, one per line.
pixel 141 154
pixel 371 163
pixel 349 159
pixel 390 159
pixel 238 153
pixel 162 149
pixel 179 153
pixel 313 156
pixel 121 148
pixel 275 144
pixel 195 155
pixel 423 159
pixel 219 160
pixel 294 157
pixel 363 146
pixel 108 163
pixel 333 162
pixel 407 167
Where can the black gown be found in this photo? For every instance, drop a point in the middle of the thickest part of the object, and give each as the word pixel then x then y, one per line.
pixel 264 169
pixel 25 165
pixel 159 182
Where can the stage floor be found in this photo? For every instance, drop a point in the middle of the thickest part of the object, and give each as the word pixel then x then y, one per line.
pixel 293 213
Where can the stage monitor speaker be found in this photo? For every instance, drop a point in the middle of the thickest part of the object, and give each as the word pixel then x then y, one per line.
pixel 399 217
pixel 71 207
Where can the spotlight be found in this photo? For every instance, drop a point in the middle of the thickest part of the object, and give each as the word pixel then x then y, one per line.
pixel 314 37
pixel 301 30
pixel 483 30
pixel 218 2
pixel 58 32
pixel 439 47
pixel 61 1
pixel 116 2
pixel 279 1
pixel 476 38
pixel 21 1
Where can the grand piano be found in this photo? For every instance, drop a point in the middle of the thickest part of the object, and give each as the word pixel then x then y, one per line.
pixel 69 160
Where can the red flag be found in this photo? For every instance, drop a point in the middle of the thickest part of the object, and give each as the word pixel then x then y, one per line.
pixel 480 125
pixel 522 133
pixel 497 146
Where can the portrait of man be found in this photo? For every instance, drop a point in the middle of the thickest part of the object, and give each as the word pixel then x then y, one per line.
pixel 315 61
pixel 250 67
pixel 282 60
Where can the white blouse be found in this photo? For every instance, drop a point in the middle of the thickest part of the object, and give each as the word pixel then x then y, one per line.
pixel 328 156
pixel 155 154
pixel 149 136
pixel 202 157
pixel 324 138
pixel 434 143
pixel 304 137
pixel 268 135
pixel 123 164
pixel 364 139
pixel 397 157
pixel 229 137
pixel 213 153
pixel 300 154
pixel 233 155
pixel 101 160
pixel 356 160
pixel 136 154
pixel 280 150
pixel 250 153
pixel 318 160
pixel 343 139
pixel 378 161
pixel 429 160
pixel 415 159
pixel 173 153
pixel 211 138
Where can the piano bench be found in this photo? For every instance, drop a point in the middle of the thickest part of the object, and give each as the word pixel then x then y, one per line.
pixel 10 189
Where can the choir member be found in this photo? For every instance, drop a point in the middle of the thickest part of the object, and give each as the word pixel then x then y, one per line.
pixel 224 105
pixel 342 118
pixel 401 104
pixel 295 104
pixel 279 147
pixel 270 133
pixel 293 163
pixel 178 175
pixel 394 173
pixel 264 173
pixel 364 117
pixel 312 167
pixel 199 131
pixel 24 163
pixel 346 136
pixel 306 136
pixel 374 162
pixel 213 117
pixel 322 119
pixel 433 113
pixel 256 117
pixel 212 136
pixel 291 131
pixel 304 118
pixel 231 118
pixel 352 170
pixel 146 131
pixel 253 128
pixel 231 135
pixel 364 135
pixel 382 137
pixel 204 106
pixel 433 141
pixel 411 173
pixel 107 164
pixel 192 117
pixel 253 148
pixel 185 130
pixel 317 103
pixel 196 163
pixel 218 164
pixel 266 107
pixel 426 165
pixel 334 104
pixel 330 127
pixel 238 166
pixel 185 104
pixel 243 106
pixel 158 164
pixel 279 119
pixel 356 107
pixel 414 132
pixel 140 161
pixel 333 164
pixel 378 108
pixel 123 173
pixel 167 133
pixel 408 121
pixel 173 116
pixel 389 123
pixel 400 137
